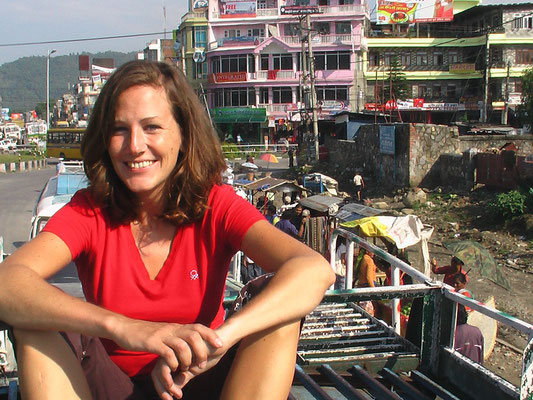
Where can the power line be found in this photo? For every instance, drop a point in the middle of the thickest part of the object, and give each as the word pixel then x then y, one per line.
pixel 81 39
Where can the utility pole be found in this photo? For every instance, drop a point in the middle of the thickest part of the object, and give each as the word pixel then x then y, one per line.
pixel 487 72
pixel 312 78
pixel 304 88
pixel 505 114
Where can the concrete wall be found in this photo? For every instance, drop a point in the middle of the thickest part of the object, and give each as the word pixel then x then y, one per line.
pixel 22 166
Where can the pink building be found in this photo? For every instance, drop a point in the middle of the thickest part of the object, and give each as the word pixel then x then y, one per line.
pixel 254 58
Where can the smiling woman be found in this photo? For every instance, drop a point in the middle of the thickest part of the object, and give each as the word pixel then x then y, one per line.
pixel 152 237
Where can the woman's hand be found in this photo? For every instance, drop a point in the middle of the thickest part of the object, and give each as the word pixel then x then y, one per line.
pixel 169 384
pixel 180 346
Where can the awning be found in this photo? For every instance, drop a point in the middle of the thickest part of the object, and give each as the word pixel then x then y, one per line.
pixel 238 114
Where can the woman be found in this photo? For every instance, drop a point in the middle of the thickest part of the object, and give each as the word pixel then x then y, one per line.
pixel 152 238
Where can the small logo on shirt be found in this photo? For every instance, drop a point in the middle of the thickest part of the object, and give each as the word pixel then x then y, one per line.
pixel 194 274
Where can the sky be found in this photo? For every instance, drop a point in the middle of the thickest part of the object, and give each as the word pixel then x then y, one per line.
pixel 28 21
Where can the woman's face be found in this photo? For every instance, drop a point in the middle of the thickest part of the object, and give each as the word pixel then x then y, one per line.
pixel 145 140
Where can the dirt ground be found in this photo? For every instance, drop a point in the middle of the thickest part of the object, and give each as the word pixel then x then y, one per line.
pixel 466 217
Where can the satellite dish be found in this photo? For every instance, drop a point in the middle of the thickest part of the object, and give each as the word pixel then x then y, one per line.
pixel 199 56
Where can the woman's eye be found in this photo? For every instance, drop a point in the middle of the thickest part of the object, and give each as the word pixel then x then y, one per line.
pixel 119 130
pixel 152 127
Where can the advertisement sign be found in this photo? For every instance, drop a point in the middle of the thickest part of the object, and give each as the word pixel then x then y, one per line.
pixel 238 114
pixel 462 68
pixel 199 4
pixel 412 11
pixel 420 105
pixel 237 8
pixel 220 77
pixel 387 139
pixel 299 10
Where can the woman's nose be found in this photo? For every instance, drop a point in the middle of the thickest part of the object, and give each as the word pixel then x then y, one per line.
pixel 137 140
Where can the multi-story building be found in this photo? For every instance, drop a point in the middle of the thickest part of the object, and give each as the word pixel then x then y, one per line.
pixel 254 63
pixel 445 63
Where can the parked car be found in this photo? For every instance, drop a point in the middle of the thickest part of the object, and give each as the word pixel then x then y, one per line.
pixel 7 144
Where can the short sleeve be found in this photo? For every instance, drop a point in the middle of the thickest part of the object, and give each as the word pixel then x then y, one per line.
pixel 74 223
pixel 232 214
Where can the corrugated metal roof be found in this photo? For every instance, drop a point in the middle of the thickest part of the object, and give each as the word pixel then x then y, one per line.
pixel 321 202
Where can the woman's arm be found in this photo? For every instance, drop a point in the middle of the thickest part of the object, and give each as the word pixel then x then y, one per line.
pixel 301 278
pixel 27 301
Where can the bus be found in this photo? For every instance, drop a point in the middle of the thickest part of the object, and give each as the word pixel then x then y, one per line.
pixel 64 143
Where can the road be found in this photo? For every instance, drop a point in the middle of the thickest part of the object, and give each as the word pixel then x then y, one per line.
pixel 18 193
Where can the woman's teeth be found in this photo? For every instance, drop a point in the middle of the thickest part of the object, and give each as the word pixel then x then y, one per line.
pixel 142 164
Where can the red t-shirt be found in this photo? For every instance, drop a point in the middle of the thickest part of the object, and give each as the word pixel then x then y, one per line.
pixel 188 289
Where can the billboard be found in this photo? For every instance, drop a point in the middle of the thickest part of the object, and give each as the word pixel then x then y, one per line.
pixel 412 11
pixel 237 8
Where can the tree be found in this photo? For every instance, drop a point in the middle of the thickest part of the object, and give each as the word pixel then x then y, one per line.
pixel 40 109
pixel 400 87
pixel 526 109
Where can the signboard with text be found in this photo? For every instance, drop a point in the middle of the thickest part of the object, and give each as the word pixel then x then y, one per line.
pixel 221 77
pixel 387 139
pixel 412 11
pixel 237 8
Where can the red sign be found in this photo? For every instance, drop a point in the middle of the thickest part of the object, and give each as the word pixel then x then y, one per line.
pixel 418 102
pixel 231 76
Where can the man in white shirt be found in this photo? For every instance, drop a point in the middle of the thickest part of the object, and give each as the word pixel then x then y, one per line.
pixel 359 183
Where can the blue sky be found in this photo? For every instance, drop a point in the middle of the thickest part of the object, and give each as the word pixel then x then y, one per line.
pixel 51 20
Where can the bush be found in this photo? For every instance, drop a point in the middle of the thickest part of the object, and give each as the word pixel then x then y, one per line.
pixel 508 205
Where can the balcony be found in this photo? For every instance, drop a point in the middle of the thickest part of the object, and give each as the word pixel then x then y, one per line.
pixel 347 39
pixel 349 9
pixel 194 15
pixel 276 75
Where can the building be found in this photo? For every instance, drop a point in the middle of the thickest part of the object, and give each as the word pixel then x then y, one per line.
pixel 256 86
pixel 445 63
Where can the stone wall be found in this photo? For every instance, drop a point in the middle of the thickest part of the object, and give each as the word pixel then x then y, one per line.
pixel 419 159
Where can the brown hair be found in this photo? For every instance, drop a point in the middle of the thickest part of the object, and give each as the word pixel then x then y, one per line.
pixel 200 163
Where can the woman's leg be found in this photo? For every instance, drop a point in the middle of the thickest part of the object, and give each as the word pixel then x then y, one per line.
pixel 48 368
pixel 264 365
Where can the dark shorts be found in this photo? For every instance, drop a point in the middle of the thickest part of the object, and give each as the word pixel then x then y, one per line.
pixel 108 382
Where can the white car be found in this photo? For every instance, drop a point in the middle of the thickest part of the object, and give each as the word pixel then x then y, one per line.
pixel 7 144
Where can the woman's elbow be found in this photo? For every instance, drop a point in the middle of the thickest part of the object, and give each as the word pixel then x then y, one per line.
pixel 327 276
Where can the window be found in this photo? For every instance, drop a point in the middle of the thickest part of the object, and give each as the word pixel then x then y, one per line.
pixel 261 4
pixel 339 93
pixel 234 97
pixel 263 95
pixel 234 63
pixel 405 59
pixel 524 56
pixel 281 95
pixel 200 70
pixel 516 22
pixel 373 59
pixel 292 29
pixel 451 91
pixel 453 57
pixel 422 90
pixel 232 33
pixel 343 27
pixel 421 59
pixel 518 86
pixel 333 60
pixel 438 59
pixel 264 62
pixel 259 32
pixel 199 36
pixel 282 61
pixel 322 28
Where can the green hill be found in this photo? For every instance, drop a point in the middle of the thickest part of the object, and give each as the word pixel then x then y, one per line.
pixel 23 82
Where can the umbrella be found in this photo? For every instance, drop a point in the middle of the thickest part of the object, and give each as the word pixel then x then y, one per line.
pixel 475 255
pixel 271 158
pixel 249 165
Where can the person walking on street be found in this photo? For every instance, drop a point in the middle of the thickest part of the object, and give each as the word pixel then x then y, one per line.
pixel 359 183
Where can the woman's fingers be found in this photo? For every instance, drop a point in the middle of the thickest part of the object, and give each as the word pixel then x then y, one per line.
pixel 164 383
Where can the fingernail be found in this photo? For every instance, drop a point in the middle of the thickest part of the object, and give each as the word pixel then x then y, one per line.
pixel 218 342
pixel 203 364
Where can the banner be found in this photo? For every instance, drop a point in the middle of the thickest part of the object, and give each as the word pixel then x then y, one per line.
pixel 230 77
pixel 412 11
pixel 237 8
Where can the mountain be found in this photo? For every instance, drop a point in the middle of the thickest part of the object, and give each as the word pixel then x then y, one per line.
pixel 23 82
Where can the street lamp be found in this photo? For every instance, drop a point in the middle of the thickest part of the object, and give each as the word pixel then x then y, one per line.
pixel 50 52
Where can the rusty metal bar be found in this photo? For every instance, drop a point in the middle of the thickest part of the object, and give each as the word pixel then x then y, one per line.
pixel 412 392
pixel 312 387
pixel 432 386
pixel 376 388
pixel 342 385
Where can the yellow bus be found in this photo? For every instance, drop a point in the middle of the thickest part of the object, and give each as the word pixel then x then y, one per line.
pixel 64 143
